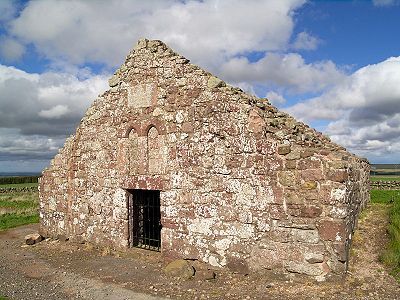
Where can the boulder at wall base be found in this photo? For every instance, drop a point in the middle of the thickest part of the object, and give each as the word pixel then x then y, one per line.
pixel 179 268
pixel 33 238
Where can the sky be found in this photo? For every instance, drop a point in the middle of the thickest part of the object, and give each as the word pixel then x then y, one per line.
pixel 334 65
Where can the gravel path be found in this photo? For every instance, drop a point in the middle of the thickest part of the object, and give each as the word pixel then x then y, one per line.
pixel 24 275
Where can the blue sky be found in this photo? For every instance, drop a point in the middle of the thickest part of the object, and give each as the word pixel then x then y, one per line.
pixel 332 64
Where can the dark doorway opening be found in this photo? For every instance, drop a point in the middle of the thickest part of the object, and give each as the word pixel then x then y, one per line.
pixel 145 219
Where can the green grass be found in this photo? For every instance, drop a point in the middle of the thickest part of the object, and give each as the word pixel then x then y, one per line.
pixel 14 220
pixel 19 185
pixel 385 178
pixel 18 208
pixel 17 204
pixel 391 255
pixel 3 298
pixel 385 196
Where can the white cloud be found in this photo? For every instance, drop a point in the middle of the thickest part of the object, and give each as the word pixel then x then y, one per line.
pixel 384 2
pixel 55 112
pixel 14 146
pixel 275 98
pixel 286 70
pixel 11 49
pixel 7 10
pixel 364 109
pixel 104 31
pixel 48 104
pixel 38 111
pixel 305 41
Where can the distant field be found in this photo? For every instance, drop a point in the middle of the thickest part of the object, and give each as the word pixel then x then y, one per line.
pixel 385 178
pixel 386 166
pixel 20 179
pixel 19 185
pixel 385 169
pixel 18 207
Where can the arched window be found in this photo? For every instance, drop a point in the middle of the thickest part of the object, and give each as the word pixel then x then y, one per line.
pixel 155 148
pixel 133 152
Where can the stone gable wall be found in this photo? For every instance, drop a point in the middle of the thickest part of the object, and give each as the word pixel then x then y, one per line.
pixel 243 185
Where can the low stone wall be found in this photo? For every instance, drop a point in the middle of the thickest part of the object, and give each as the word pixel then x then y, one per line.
pixel 385 185
pixel 25 189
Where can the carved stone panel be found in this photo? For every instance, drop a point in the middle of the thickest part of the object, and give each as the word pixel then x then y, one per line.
pixel 141 95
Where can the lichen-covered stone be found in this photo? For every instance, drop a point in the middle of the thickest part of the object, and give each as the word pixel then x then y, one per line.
pixel 33 238
pixel 214 82
pixel 283 149
pixel 242 185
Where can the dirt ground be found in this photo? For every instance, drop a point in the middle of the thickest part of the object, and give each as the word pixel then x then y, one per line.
pixel 63 270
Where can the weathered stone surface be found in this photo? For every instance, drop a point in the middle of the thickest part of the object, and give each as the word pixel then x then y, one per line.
pixel 287 178
pixel 62 238
pixel 33 238
pixel 313 258
pixel 332 230
pixel 309 185
pixel 239 266
pixel 283 149
pixel 242 185
pixel 214 82
pixel 304 268
pixel 307 153
pixel 179 268
pixel 305 236
pixel 256 123
pixel 205 274
pixel 337 175
pixel 113 81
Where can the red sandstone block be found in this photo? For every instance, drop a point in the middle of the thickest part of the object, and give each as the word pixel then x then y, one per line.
pixel 305 211
pixel 312 175
pixel 337 175
pixel 277 212
pixel 291 164
pixel 341 251
pixel 283 149
pixel 330 230
pixel 264 146
pixel 307 153
pixel 308 163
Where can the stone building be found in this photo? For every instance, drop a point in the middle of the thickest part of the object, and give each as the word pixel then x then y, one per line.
pixel 171 158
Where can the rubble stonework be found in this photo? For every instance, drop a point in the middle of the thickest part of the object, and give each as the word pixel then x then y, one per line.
pixel 242 185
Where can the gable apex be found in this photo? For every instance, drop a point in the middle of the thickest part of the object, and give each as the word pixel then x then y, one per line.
pixel 153 60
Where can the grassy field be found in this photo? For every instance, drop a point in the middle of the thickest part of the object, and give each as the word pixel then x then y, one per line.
pixel 19 185
pixel 386 197
pixel 385 178
pixel 18 208
pixel 391 255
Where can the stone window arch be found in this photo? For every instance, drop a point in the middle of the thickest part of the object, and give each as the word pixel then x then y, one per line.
pixel 155 151
pixel 133 152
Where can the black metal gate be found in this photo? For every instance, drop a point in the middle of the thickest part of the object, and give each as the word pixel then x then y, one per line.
pixel 145 219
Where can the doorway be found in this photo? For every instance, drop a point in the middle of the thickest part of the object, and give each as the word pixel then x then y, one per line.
pixel 145 219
